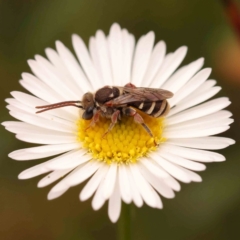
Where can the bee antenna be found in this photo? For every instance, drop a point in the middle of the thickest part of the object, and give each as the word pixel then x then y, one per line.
pixel 59 105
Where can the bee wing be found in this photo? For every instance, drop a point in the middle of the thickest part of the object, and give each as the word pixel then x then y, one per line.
pixel 149 94
pixel 132 95
pixel 124 99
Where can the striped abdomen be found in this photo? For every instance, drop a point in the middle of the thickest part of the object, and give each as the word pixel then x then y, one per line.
pixel 154 109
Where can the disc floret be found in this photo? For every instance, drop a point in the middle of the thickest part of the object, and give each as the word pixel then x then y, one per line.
pixel 125 143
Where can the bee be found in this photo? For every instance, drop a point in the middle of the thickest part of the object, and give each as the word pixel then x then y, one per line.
pixel 112 102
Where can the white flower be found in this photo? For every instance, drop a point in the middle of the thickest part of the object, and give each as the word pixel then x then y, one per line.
pixel 126 165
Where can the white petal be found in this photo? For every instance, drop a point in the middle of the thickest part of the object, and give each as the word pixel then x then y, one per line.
pixel 51 124
pixel 22 127
pixel 145 189
pixel 53 73
pixel 191 86
pixel 95 59
pixel 46 138
pixel 61 113
pixel 18 124
pixel 183 161
pixel 98 199
pixel 166 61
pixel 43 168
pixel 32 102
pixel 213 143
pixel 33 171
pixel 201 96
pixel 204 125
pixel 201 127
pixel 65 158
pixel 124 186
pixel 26 131
pixel 55 59
pixel 42 151
pixel 81 173
pixel 207 122
pixel 192 175
pixel 171 168
pixel 27 99
pixel 155 62
pixel 39 88
pixel 58 190
pixel 109 181
pixel 210 119
pixel 80 157
pixel 86 62
pixel 52 177
pixel 199 111
pixel 172 183
pixel 192 132
pixel 136 197
pixel 74 68
pixel 115 43
pixel 193 154
pixel 170 64
pixel 155 169
pixel 181 76
pixel 17 107
pixel 158 184
pixel 103 58
pixel 128 49
pixel 52 82
pixel 200 90
pixel 114 205
pixel 195 100
pixel 141 57
pixel 93 183
pixel 61 187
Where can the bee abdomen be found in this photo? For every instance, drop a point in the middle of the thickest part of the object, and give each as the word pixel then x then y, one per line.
pixel 161 109
pixel 154 109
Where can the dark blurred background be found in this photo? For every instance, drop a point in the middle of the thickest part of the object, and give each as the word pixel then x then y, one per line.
pixel 207 210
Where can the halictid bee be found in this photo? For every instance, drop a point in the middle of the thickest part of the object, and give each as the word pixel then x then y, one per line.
pixel 112 102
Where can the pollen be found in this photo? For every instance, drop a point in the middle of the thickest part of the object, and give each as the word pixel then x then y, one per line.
pixel 125 143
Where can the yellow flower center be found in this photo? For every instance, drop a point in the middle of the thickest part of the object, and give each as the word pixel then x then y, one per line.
pixel 125 143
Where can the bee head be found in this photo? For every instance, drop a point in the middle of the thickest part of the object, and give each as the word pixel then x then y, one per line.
pixel 88 105
pixel 87 114
pixel 88 102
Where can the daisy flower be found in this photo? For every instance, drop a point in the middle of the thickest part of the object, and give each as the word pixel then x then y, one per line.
pixel 126 165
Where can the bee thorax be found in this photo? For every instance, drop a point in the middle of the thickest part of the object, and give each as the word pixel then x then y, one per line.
pixel 106 94
pixel 107 112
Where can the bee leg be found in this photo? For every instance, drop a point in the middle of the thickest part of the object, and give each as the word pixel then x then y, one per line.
pixel 114 119
pixel 138 119
pixel 129 111
pixel 130 85
pixel 94 119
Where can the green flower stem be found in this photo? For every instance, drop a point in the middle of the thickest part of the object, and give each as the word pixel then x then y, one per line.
pixel 125 222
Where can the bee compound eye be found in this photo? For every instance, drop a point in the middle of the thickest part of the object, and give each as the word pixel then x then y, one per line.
pixel 87 115
pixel 90 109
